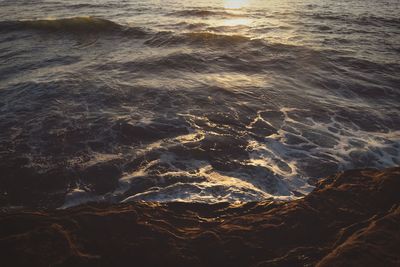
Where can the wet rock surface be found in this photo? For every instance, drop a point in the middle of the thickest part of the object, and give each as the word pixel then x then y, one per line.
pixel 350 219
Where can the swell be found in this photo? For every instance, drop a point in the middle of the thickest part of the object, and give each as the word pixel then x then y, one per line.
pixel 76 25
pixel 86 25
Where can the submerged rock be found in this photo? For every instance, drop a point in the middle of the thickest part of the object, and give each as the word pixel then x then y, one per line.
pixel 350 219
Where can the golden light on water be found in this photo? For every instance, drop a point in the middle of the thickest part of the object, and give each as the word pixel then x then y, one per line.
pixel 234 4
pixel 237 22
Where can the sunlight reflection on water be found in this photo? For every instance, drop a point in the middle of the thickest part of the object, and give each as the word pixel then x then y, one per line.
pixel 237 22
pixel 235 4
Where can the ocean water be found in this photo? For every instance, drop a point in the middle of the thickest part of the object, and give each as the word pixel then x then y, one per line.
pixel 217 100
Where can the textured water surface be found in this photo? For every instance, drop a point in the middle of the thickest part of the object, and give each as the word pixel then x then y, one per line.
pixel 233 100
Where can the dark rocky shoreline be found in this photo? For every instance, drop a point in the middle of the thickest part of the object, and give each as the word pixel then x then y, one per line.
pixel 350 219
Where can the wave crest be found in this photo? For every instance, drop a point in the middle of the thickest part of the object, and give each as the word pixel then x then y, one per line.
pixel 66 25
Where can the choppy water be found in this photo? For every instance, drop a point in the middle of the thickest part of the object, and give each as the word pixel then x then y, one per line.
pixel 193 100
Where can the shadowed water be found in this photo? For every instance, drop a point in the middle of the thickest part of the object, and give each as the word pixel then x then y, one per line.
pixel 194 101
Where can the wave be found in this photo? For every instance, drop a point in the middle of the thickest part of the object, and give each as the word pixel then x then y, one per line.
pixel 94 25
pixel 191 26
pixel 197 38
pixel 204 13
pixel 364 20
pixel 75 25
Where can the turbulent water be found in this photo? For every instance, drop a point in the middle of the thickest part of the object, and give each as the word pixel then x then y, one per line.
pixel 208 101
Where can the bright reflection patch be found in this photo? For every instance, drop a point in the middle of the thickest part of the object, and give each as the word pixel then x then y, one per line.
pixel 234 3
pixel 237 22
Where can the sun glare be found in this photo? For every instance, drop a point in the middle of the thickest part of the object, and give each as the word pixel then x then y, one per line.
pixel 234 4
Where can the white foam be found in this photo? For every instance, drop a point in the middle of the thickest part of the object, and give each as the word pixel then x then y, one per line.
pixel 77 197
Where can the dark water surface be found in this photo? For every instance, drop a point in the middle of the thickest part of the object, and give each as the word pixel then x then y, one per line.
pixel 193 100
